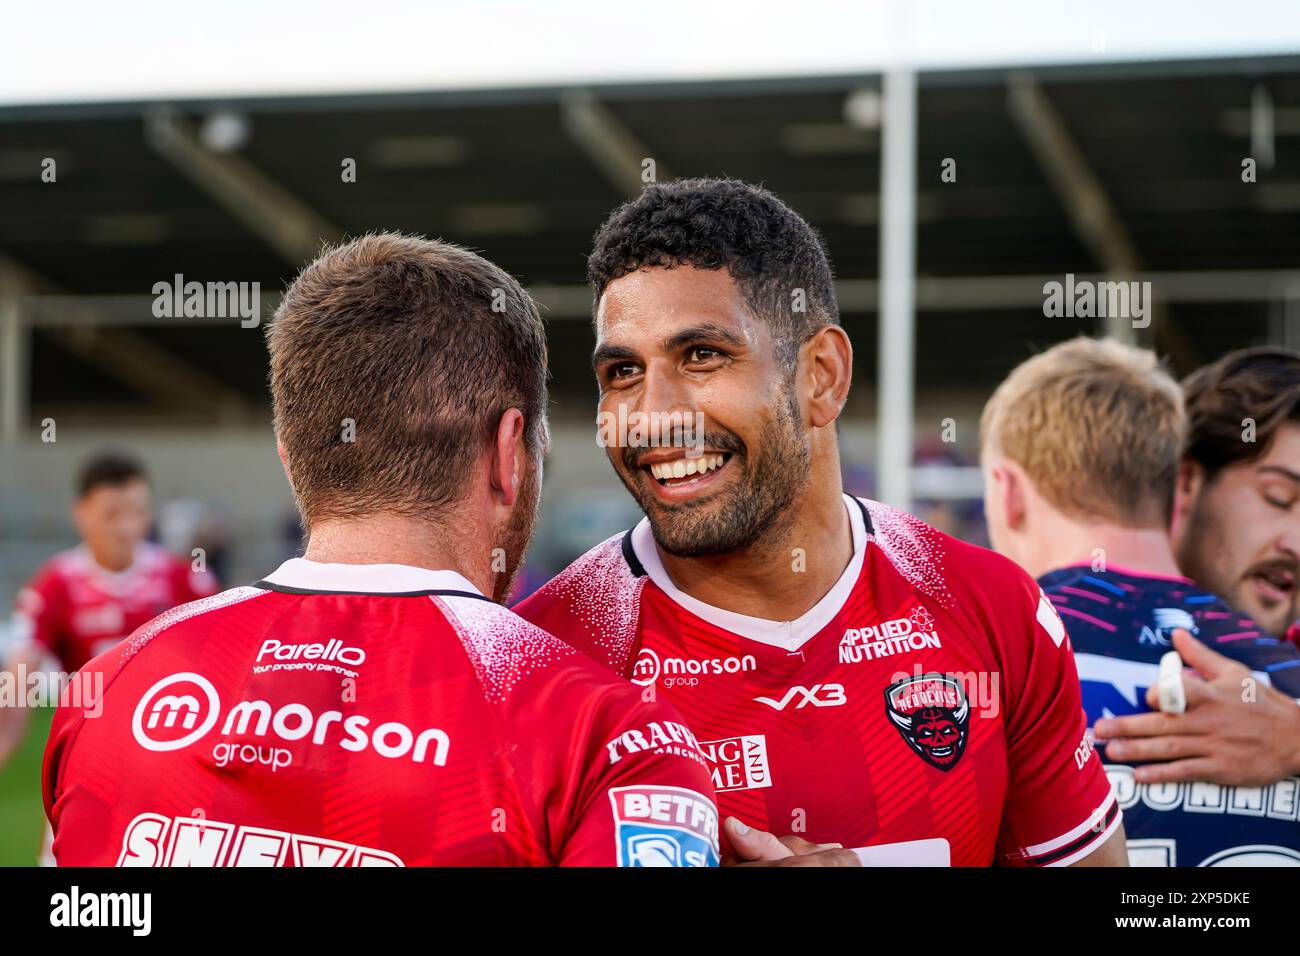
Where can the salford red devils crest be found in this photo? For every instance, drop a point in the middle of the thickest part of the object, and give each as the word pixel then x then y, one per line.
pixel 933 716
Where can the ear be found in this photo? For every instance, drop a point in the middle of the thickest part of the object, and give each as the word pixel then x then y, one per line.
pixel 828 360
pixel 1012 484
pixel 284 462
pixel 1187 488
pixel 506 459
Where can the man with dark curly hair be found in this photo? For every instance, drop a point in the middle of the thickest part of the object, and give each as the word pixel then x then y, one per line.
pixel 1237 509
pixel 854 676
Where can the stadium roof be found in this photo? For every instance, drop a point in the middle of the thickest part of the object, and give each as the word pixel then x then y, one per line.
pixel 525 174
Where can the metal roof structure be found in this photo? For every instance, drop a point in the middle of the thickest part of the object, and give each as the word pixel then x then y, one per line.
pixel 242 190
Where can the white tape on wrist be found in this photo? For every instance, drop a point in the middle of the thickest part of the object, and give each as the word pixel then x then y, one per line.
pixel 1173 697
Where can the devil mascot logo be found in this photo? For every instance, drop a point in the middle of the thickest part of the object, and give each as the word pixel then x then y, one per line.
pixel 932 714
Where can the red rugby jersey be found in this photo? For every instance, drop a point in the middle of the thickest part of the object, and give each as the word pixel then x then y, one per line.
pixel 931 695
pixel 368 715
pixel 74 609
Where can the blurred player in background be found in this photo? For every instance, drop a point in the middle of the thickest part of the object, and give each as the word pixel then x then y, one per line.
pixel 83 601
pixel 370 704
pixel 1236 528
pixel 1237 515
pixel 854 675
pixel 1081 449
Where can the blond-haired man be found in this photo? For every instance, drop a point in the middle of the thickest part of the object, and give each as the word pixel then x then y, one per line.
pixel 1080 448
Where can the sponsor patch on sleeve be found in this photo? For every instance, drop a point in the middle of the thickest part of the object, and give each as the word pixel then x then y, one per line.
pixel 664 826
pixel 1049 620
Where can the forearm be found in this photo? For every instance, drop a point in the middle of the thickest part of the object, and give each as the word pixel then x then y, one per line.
pixel 13 729
pixel 1293 746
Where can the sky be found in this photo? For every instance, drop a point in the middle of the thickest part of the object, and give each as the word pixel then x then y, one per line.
pixel 83 50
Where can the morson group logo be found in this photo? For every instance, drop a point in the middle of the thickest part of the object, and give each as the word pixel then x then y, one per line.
pixel 175 712
pixel 181 709
pixel 685 671
pixel 933 715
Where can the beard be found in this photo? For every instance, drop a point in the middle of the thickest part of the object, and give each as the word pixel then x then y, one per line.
pixel 1202 558
pixel 756 505
pixel 514 537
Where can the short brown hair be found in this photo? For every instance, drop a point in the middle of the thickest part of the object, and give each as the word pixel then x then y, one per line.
pixel 1259 385
pixel 1097 426
pixel 424 346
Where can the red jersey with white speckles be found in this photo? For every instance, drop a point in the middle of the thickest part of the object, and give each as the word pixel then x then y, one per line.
pixel 367 715
pixel 74 609
pixel 927 706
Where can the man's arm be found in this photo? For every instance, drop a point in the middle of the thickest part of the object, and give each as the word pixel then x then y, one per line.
pixel 1235 730
pixel 37 618
pixel 15 714
pixel 1060 809
pixel 641 801
pixel 1114 852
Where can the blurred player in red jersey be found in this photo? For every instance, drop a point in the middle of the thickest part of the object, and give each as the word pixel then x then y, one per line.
pixel 83 601
pixel 854 676
pixel 371 704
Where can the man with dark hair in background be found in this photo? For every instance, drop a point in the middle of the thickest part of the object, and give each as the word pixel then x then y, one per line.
pixel 854 675
pixel 85 600
pixel 1236 522
pixel 370 704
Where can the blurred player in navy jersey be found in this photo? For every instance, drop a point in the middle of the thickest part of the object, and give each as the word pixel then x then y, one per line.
pixel 1081 448
pixel 83 601
pixel 853 674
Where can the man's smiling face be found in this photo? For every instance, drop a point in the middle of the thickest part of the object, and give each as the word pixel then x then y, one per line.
pixel 679 345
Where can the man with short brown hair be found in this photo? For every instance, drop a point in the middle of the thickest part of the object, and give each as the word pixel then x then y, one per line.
pixel 370 704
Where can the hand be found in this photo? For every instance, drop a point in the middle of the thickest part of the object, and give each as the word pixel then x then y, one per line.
pixel 1224 737
pixel 759 848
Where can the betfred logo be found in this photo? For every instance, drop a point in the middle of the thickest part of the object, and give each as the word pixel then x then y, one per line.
pixel 685 671
pixel 175 712
pixel 915 632
pixel 738 763
pixel 332 651
pixel 932 714
pixel 664 826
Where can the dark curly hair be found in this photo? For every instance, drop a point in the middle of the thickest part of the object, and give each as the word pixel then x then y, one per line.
pixel 108 469
pixel 1260 384
pixel 768 249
